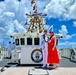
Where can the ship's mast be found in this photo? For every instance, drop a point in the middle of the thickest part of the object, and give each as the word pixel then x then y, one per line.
pixel 36 20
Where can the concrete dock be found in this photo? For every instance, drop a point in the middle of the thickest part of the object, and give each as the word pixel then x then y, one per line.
pixel 25 70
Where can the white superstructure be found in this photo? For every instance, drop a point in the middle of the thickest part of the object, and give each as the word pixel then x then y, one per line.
pixel 28 44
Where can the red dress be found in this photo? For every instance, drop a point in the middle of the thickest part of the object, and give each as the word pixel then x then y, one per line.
pixel 53 56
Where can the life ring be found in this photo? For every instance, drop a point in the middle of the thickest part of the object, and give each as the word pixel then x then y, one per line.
pixel 36 56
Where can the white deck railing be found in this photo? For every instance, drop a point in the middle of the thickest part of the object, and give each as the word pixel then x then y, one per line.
pixel 68 53
pixel 3 53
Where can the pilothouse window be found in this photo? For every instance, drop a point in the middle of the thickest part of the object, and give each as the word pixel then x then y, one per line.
pixel 17 41
pixel 36 41
pixel 22 40
pixel 29 41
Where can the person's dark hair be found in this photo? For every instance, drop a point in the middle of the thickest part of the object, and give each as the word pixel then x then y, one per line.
pixel 45 30
pixel 52 33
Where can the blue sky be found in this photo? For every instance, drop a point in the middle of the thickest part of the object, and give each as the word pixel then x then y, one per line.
pixel 60 13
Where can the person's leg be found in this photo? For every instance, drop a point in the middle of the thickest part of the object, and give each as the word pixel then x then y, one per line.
pixel 46 57
pixel 48 64
pixel 43 52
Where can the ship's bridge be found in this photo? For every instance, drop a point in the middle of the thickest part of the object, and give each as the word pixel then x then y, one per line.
pixel 27 39
pixel 30 38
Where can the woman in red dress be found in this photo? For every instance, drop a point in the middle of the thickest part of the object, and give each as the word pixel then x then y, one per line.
pixel 53 57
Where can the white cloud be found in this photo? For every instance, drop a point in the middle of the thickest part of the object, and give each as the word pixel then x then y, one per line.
pixel 19 27
pixel 64 9
pixel 2 29
pixel 63 30
pixel 9 14
pixel 1 40
pixel 41 5
pixel 13 12
pixel 70 36
pixel 2 7
pixel 13 15
pixel 64 33
pixel 46 27
pixel 66 37
pixel 67 43
pixel 12 5
pixel 74 23
pixel 10 28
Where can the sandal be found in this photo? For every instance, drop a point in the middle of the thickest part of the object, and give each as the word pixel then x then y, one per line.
pixel 56 66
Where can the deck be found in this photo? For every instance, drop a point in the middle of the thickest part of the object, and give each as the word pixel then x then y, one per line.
pixel 25 70
pixel 66 68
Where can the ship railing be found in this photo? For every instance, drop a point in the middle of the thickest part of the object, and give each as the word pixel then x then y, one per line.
pixel 3 53
pixel 69 53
